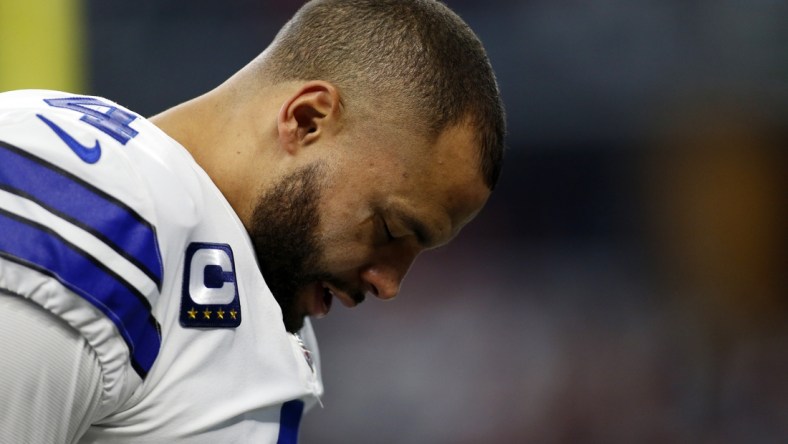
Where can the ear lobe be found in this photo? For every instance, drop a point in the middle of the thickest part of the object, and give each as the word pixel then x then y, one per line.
pixel 309 113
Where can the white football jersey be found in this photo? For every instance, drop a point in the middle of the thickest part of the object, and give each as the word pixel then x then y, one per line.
pixel 110 224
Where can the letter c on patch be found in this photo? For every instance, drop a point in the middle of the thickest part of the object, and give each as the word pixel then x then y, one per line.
pixel 212 276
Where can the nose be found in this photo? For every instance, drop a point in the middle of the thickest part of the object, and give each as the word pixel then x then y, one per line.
pixel 384 276
pixel 383 282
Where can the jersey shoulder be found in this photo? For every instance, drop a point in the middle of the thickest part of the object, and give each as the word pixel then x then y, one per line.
pixel 80 219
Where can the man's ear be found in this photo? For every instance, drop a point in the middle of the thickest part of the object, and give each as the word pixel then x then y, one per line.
pixel 308 114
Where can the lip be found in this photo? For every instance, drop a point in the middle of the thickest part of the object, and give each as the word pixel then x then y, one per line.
pixel 343 297
pixel 320 303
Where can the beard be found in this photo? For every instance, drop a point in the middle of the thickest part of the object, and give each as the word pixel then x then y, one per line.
pixel 284 231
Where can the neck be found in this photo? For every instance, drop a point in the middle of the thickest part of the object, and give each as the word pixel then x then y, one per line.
pixel 208 131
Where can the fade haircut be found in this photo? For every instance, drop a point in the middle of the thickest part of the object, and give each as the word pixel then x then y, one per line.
pixel 420 47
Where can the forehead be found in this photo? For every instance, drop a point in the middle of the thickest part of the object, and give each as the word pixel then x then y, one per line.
pixel 441 179
pixel 453 162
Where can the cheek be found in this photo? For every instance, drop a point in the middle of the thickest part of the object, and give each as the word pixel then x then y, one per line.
pixel 347 243
pixel 347 222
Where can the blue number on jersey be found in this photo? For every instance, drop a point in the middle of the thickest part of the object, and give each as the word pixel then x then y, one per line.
pixel 101 114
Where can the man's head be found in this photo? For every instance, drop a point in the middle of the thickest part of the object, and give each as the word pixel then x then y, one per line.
pixel 349 224
pixel 414 62
pixel 369 131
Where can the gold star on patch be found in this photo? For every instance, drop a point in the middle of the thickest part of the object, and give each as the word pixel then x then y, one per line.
pixel 192 313
pixel 233 313
pixel 206 314
pixel 220 313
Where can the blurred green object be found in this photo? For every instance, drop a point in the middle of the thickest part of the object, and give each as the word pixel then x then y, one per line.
pixel 42 45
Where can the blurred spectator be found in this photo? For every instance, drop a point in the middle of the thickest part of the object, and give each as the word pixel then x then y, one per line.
pixel 718 202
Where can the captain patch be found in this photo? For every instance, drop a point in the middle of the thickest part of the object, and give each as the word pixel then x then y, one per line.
pixel 209 297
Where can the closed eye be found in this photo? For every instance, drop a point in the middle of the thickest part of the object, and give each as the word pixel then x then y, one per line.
pixel 382 232
pixel 386 230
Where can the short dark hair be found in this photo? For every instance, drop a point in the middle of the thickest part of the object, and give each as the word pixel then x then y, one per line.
pixel 417 46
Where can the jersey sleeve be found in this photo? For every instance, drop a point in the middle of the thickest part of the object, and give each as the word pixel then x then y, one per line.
pixel 69 379
pixel 78 230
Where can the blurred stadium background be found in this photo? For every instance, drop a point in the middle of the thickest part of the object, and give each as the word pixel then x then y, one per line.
pixel 627 282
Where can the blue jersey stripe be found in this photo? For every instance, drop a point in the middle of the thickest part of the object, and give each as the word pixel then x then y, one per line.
pixel 73 199
pixel 289 420
pixel 38 247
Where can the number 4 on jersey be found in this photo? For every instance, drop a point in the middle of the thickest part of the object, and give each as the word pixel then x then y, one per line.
pixel 100 114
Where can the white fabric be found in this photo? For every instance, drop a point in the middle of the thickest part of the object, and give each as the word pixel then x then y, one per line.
pixel 69 369
pixel 206 384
